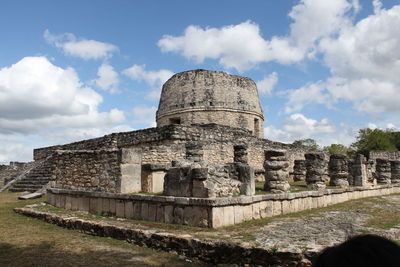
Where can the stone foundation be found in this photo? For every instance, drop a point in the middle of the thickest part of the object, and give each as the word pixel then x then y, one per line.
pixel 207 212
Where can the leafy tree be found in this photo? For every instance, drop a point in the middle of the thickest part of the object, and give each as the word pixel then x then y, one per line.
pixel 307 144
pixel 396 139
pixel 337 149
pixel 376 139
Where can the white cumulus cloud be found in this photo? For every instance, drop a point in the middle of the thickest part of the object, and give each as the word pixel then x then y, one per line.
pixel 107 78
pixel 39 100
pixel 297 126
pixel 242 46
pixel 364 62
pixel 155 79
pixel 80 47
pixel 267 84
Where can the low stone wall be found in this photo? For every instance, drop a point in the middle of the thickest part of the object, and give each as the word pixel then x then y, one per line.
pixel 207 212
pixel 213 252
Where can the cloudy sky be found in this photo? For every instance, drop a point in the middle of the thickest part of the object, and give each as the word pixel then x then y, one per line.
pixel 72 70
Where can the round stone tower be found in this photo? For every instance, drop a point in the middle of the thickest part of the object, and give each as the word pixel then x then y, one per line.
pixel 203 96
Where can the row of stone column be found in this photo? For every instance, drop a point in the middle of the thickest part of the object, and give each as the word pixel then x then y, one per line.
pixel 343 171
pixel 317 171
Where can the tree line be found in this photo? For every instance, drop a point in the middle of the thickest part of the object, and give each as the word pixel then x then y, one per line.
pixel 367 140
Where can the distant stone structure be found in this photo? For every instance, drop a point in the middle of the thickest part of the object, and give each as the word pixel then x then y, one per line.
pixel 200 164
pixel 203 97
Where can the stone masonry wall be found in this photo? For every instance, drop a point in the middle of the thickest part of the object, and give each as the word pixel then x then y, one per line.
pixel 224 117
pixel 166 135
pixel 203 212
pixel 162 154
pixel 390 155
pixel 88 170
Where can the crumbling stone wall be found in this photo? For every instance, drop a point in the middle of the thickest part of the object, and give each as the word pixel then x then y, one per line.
pixel 162 154
pixel 390 155
pixel 88 170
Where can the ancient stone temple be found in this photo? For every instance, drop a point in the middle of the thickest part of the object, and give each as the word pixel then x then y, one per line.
pixel 198 166
pixel 202 97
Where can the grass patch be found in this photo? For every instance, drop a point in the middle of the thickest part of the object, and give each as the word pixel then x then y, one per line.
pixel 26 241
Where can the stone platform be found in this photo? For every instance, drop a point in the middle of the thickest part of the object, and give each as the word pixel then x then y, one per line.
pixel 207 212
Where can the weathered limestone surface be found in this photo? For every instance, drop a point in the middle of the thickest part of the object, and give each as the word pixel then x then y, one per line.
pixel 316 170
pixel 338 170
pixel 276 171
pixel 202 96
pixel 193 177
pixel 207 212
pixel 395 171
pixel 98 170
pixel 299 170
pixel 153 177
pixel 383 171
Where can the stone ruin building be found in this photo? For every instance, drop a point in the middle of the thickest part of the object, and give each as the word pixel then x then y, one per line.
pixel 200 165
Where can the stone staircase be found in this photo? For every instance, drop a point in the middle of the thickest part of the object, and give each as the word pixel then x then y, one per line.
pixel 35 179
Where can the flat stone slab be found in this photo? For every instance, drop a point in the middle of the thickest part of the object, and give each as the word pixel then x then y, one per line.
pixel 31 196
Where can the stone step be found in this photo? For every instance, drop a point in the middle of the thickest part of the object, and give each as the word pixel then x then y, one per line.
pixel 41 180
pixel 27 183
pixel 22 190
pixel 27 186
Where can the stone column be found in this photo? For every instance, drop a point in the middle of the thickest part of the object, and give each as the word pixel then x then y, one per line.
pixel 299 170
pixel 359 171
pixel 194 152
pixel 338 170
pixel 316 170
pixel 276 171
pixel 244 170
pixel 240 154
pixel 383 172
pixel 395 170
pixel 370 176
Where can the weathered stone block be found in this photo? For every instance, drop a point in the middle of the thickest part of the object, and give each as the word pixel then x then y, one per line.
pixel 152 212
pixel 256 211
pixel 168 214
pixel 160 217
pixel 144 211
pixel 277 207
pixel 105 210
pixel 84 204
pixel 217 217
pixel 247 212
pixel 238 211
pixel 120 208
pixel 128 209
pixel 137 210
pixel 113 207
pixel 229 216
pixel 74 203
pixel 68 202
pixel 178 215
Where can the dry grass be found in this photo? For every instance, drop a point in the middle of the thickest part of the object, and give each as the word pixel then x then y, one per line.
pixel 26 241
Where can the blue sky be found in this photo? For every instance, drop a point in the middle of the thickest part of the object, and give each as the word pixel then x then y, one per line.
pixel 71 70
